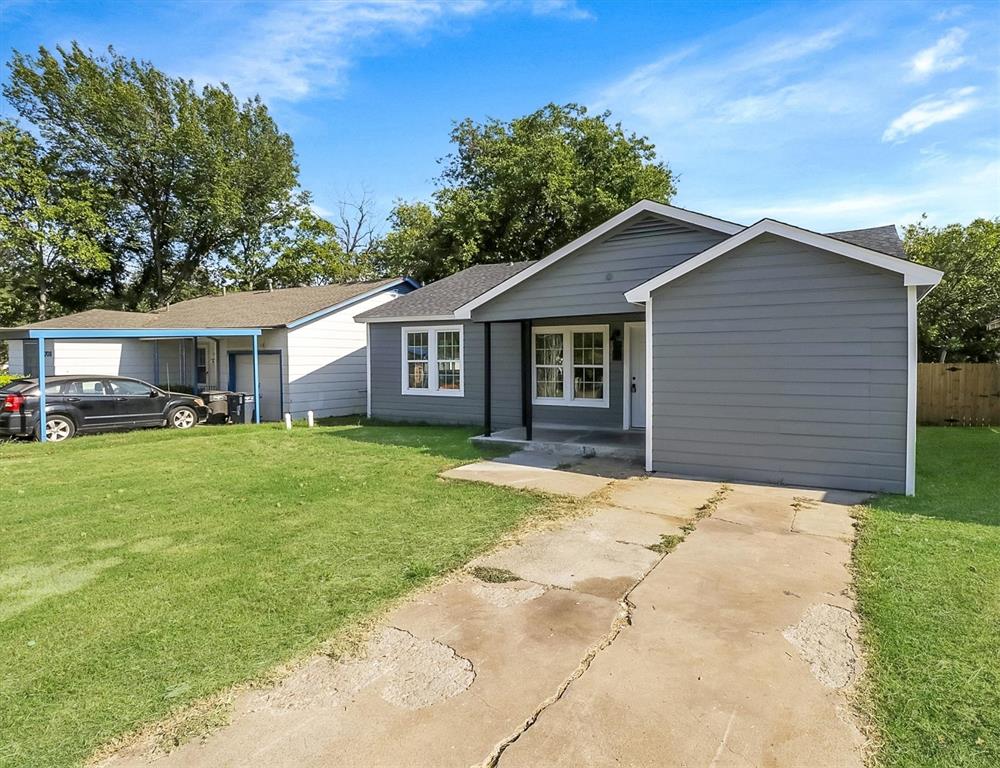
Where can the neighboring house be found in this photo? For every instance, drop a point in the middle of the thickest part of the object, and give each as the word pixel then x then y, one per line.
pixel 311 352
pixel 765 353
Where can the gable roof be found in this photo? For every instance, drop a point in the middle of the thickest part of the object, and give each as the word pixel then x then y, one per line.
pixel 439 300
pixel 882 239
pixel 913 274
pixel 639 209
pixel 241 309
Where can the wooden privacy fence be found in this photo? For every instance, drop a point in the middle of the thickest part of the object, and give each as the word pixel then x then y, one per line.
pixel 958 394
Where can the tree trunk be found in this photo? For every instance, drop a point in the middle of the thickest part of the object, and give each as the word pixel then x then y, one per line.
pixel 944 354
pixel 43 288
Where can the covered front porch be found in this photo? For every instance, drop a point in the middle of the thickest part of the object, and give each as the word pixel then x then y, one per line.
pixel 580 380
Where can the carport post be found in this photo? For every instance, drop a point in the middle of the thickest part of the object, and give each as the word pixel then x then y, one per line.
pixel 194 365
pixel 256 383
pixel 41 388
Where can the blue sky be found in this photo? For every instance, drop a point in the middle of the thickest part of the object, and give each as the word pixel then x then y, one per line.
pixel 830 116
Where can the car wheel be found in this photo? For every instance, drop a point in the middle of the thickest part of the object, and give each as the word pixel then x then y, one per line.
pixel 57 429
pixel 182 418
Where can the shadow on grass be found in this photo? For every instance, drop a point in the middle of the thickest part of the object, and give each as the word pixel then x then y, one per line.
pixel 958 476
pixel 448 442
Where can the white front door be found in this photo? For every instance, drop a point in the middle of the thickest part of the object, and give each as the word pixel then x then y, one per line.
pixel 637 374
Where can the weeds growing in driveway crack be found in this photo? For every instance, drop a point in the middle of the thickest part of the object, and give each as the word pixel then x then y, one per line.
pixel 668 543
pixel 493 575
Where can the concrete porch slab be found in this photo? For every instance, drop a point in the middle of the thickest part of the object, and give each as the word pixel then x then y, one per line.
pixel 570 441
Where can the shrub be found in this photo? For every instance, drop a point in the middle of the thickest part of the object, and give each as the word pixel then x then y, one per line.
pixel 7 378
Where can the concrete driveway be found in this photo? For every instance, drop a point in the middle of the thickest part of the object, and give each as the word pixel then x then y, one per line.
pixel 679 623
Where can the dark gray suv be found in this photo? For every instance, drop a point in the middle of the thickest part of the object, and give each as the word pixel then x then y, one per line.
pixel 93 404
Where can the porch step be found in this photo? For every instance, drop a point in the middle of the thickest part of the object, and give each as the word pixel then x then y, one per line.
pixel 570 447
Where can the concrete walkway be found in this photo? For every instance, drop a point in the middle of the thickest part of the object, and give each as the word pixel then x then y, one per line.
pixel 736 648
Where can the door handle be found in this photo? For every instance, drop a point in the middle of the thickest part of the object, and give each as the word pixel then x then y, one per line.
pixel 72 399
pixel 120 399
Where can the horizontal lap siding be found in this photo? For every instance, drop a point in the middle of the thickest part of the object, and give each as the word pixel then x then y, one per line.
pixel 594 279
pixel 124 357
pixel 327 362
pixel 388 402
pixel 780 363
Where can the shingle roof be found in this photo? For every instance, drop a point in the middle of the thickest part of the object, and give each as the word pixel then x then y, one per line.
pixel 882 239
pixel 243 309
pixel 447 294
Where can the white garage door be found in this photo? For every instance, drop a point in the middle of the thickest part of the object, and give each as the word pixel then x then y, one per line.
pixel 270 383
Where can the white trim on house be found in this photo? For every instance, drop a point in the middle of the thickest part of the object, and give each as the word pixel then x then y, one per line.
pixel 913 274
pixel 408 319
pixel 568 399
pixel 353 300
pixel 642 207
pixel 649 385
pixel 911 390
pixel 368 371
pixel 432 389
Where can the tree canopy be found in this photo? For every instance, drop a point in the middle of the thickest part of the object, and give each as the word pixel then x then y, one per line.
pixel 518 190
pixel 954 317
pixel 186 171
pixel 50 229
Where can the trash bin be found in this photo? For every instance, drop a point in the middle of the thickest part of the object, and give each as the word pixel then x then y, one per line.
pixel 240 410
pixel 217 402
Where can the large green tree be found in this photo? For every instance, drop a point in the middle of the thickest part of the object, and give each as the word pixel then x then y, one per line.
pixel 520 189
pixel 954 317
pixel 51 225
pixel 190 170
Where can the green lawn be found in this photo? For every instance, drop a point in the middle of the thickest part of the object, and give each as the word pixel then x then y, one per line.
pixel 928 578
pixel 142 571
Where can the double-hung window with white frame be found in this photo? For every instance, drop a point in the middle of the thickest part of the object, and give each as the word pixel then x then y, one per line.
pixel 433 361
pixel 570 365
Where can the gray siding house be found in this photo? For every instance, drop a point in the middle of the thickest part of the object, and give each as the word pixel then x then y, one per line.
pixel 766 353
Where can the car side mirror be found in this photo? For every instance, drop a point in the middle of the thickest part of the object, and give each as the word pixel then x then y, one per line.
pixel 153 393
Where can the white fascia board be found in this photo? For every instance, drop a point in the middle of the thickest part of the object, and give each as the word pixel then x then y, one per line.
pixel 913 274
pixel 348 302
pixel 408 319
pixel 642 207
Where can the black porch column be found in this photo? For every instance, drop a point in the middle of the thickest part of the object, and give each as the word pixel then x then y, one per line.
pixel 526 377
pixel 487 379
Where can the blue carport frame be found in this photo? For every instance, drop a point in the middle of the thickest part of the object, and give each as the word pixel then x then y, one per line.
pixel 44 334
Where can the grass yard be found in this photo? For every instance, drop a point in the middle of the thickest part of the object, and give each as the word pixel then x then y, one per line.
pixel 142 571
pixel 928 578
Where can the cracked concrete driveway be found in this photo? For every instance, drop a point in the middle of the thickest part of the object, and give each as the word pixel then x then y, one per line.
pixel 738 647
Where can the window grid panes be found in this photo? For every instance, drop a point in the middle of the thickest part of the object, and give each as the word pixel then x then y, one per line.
pixel 588 365
pixel 416 360
pixel 549 365
pixel 449 351
pixel 571 365
pixel 433 361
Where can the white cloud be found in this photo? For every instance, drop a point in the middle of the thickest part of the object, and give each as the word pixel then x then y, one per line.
pixel 739 82
pixel 950 13
pixel 931 111
pixel 943 56
pixel 957 190
pixel 297 48
pixel 567 9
